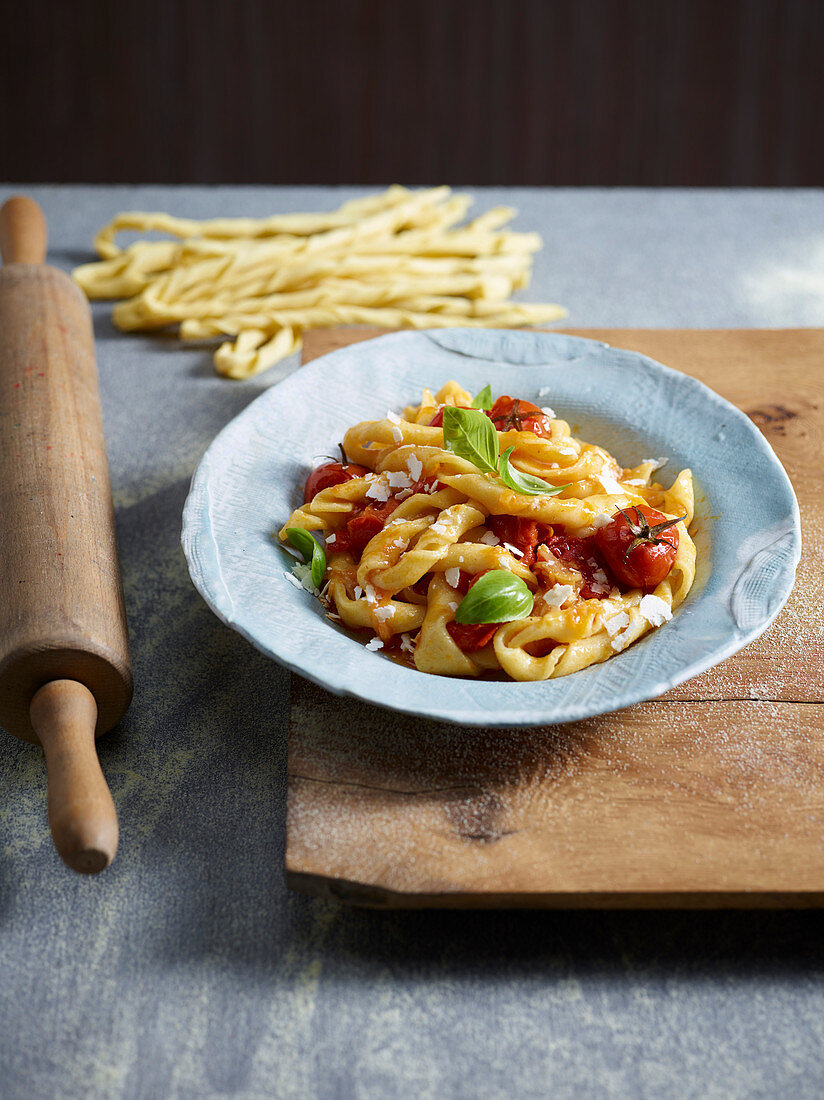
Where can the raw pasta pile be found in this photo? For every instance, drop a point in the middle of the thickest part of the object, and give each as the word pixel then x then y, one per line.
pixel 398 259
pixel 417 525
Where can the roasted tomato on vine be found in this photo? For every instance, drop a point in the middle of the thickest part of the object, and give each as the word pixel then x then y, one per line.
pixel 515 414
pixel 639 546
pixel 330 473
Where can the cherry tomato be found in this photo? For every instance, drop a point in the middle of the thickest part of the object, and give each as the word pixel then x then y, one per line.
pixel 513 413
pixel 362 527
pixel 437 419
pixel 639 545
pixel 330 473
pixel 585 555
pixel 470 637
pixel 520 532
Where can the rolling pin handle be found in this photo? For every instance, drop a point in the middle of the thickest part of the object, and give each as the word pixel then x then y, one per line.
pixel 23 233
pixel 82 816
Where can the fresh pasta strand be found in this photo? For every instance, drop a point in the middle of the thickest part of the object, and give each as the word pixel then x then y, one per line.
pixel 398 259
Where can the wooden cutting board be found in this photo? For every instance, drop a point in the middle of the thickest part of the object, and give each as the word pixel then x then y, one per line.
pixel 712 795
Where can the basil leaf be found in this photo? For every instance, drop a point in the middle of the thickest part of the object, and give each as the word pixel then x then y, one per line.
pixel 496 597
pixel 311 550
pixel 525 483
pixel 469 434
pixel 483 400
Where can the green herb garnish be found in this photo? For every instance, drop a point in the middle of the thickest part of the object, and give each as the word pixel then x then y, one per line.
pixel 496 597
pixel 470 434
pixel 483 400
pixel 524 483
pixel 311 550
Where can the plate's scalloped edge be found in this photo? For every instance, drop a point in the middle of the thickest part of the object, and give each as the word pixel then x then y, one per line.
pixel 200 547
pixel 203 556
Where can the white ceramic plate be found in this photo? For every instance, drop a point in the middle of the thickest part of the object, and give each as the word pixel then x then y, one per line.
pixel 251 478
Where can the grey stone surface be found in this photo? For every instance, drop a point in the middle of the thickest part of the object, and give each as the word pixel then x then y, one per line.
pixel 186 969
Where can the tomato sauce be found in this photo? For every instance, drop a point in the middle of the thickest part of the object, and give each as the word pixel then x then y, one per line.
pixel 587 559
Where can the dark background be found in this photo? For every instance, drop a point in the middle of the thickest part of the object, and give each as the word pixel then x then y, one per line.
pixel 584 92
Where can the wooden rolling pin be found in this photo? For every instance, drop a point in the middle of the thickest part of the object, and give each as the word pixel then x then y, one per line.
pixel 64 658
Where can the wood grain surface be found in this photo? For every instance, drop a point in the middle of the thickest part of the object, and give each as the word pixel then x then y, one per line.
pixel 712 795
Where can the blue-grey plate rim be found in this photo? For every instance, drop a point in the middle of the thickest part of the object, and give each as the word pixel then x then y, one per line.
pixel 251 476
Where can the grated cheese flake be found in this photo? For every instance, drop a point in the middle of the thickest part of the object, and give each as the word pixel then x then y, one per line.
pixel 415 467
pixel 655 610
pixel 489 538
pixel 558 595
pixel 616 623
pixel 610 484
pixel 375 643
pixel 622 640
pixel 398 479
pixel 378 490
pixel 452 577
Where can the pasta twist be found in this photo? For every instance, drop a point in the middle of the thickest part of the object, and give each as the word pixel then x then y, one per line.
pixel 427 520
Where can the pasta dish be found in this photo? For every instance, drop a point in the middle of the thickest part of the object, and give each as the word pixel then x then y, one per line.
pixel 476 536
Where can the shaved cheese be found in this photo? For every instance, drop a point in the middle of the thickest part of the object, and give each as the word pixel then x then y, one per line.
pixel 393 416
pixel 378 490
pixel 358 591
pixel 375 643
pixel 397 434
pixel 514 550
pixel 407 645
pixel 452 577
pixel 655 610
pixel 616 623
pixel 292 579
pixel 415 467
pixel 548 412
pixel 489 538
pixel 656 463
pixel 384 613
pixel 610 484
pixel 302 573
pixel 453 605
pixel 398 479
pixel 371 595
pixel 558 594
pixel 621 641
pixel 331 538
pixel 601 520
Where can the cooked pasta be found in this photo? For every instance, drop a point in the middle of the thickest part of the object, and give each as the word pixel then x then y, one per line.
pixel 556 555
